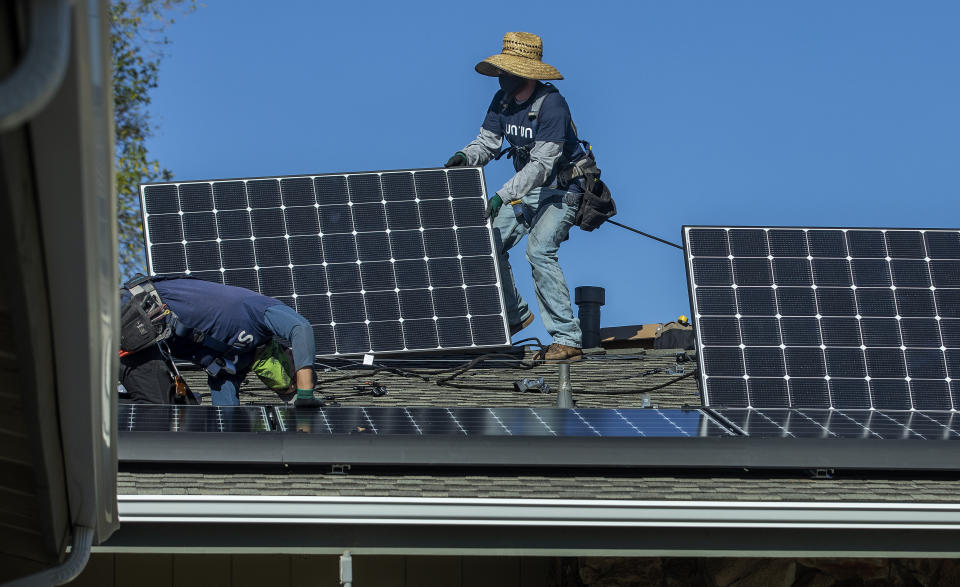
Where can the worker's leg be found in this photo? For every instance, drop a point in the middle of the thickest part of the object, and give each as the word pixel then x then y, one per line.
pixel 145 377
pixel 550 226
pixel 224 389
pixel 507 232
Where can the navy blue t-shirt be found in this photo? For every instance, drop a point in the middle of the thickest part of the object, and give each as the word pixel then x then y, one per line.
pixel 232 315
pixel 553 123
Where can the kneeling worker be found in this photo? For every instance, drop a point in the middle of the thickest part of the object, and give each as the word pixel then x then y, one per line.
pixel 218 327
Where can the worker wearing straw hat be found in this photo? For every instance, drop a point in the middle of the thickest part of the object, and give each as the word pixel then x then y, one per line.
pixel 535 120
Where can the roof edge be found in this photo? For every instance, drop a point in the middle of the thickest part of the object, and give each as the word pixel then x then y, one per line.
pixel 471 526
pixel 535 512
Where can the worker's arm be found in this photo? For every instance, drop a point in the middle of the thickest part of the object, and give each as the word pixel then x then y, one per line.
pixel 285 323
pixel 484 148
pixel 543 158
pixel 487 145
pixel 305 378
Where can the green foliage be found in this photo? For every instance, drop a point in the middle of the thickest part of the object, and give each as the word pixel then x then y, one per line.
pixel 136 38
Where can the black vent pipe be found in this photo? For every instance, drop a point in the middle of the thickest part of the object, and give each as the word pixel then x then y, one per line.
pixel 589 299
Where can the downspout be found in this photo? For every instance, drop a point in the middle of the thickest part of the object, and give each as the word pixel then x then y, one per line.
pixel 346 569
pixel 66 571
pixel 23 94
pixel 36 79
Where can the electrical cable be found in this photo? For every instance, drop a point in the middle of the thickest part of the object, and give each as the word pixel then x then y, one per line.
pixel 641 233
pixel 475 387
pixel 422 375
pixel 458 372
pixel 580 382
pixel 646 373
pixel 422 372
pixel 637 391
pixel 460 369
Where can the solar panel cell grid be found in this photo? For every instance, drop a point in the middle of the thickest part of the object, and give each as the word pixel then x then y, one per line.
pixel 500 422
pixel 825 423
pixel 827 318
pixel 387 247
pixel 171 418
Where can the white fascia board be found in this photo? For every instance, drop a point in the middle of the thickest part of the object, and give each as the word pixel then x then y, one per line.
pixel 299 510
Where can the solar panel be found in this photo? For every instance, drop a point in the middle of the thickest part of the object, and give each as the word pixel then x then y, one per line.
pixel 499 422
pixel 846 318
pixel 174 418
pixel 378 262
pixel 819 423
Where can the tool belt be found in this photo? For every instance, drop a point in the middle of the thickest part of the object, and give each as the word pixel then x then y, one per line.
pixel 143 318
pixel 596 204
pixel 146 320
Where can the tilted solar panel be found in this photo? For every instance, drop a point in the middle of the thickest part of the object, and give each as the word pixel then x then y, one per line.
pixel 844 318
pixel 378 262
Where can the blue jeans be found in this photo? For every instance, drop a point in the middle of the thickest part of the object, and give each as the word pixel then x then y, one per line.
pixel 225 388
pixel 549 219
pixel 284 323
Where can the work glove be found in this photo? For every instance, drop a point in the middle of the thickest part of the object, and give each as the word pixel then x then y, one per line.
pixel 493 206
pixel 458 160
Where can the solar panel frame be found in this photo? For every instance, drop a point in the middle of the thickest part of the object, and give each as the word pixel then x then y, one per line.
pixel 873 285
pixel 256 215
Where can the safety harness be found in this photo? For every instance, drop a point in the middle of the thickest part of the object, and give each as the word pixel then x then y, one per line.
pixel 146 320
pixel 521 154
pixel 596 204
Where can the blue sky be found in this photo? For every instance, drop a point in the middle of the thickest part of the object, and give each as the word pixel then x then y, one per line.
pixel 740 113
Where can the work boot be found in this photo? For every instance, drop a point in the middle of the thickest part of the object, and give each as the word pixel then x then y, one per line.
pixel 515 328
pixel 559 352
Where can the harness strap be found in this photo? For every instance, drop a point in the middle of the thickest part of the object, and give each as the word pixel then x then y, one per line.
pixel 566 171
pixel 200 337
pixel 543 91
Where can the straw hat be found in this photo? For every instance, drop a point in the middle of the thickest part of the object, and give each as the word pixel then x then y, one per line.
pixel 521 56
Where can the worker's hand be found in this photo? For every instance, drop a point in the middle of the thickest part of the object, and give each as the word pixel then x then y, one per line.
pixel 458 160
pixel 493 206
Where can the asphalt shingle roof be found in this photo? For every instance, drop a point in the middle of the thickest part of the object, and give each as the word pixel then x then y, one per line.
pixel 492 385
pixel 634 485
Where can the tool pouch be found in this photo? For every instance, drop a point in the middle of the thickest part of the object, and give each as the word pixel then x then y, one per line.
pixel 144 319
pixel 274 366
pixel 137 328
pixel 596 205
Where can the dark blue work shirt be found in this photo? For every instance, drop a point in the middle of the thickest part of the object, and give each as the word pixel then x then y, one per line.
pixel 232 315
pixel 553 124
